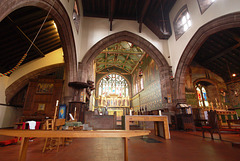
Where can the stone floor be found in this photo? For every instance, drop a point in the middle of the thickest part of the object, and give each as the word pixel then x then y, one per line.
pixel 183 146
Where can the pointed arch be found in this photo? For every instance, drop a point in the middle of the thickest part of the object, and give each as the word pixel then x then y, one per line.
pixel 62 20
pixel 85 68
pixel 224 22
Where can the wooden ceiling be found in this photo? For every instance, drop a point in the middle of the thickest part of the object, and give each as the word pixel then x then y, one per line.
pixel 221 54
pixel 17 32
pixel 123 55
pixel 153 13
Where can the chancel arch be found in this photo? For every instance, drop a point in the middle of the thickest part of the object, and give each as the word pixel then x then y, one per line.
pixel 86 69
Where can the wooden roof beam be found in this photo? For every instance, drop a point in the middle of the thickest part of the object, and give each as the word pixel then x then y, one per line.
pixel 235 36
pixel 121 52
pixel 111 12
pixel 112 63
pixel 221 53
pixel 26 37
pixel 143 13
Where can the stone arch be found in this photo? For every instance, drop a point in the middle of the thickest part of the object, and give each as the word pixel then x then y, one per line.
pixel 85 68
pixel 205 80
pixel 62 20
pixel 224 22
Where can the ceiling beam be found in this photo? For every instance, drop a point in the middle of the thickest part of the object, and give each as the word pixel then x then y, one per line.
pixel 108 72
pixel 111 12
pixel 218 55
pixel 26 37
pixel 106 55
pixel 126 59
pixel 113 63
pixel 138 63
pixel 234 35
pixel 156 29
pixel 143 13
pixel 121 52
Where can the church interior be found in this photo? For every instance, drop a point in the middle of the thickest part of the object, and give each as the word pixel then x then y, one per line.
pixel 119 80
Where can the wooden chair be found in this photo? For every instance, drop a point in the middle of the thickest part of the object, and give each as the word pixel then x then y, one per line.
pixel 53 143
pixel 211 125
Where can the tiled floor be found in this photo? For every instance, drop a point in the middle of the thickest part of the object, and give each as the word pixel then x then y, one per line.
pixel 183 146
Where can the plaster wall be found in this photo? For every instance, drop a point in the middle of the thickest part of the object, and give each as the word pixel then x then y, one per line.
pixel 95 29
pixel 9 115
pixel 217 9
pixel 55 57
pixel 3 82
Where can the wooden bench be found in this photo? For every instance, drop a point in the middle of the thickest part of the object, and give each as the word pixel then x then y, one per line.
pixel 26 134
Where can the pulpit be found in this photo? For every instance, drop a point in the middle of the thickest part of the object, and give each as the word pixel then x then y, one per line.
pixel 82 93
pixel 77 107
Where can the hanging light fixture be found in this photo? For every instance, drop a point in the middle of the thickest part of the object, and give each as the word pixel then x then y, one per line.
pixel 140 73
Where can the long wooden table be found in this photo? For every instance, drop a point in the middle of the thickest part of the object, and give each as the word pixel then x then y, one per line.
pixel 159 122
pixel 26 134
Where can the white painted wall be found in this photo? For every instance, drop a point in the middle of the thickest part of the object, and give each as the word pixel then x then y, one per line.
pixel 9 115
pixel 217 9
pixel 3 83
pixel 55 57
pixel 95 29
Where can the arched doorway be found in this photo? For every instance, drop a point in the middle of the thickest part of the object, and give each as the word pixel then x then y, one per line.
pixel 62 20
pixel 219 24
pixel 86 66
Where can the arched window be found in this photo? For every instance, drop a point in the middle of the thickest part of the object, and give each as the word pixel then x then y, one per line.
pixel 113 84
pixel 202 96
pixel 205 4
pixel 182 22
pixel 137 84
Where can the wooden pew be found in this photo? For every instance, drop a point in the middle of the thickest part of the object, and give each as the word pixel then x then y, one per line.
pixel 26 134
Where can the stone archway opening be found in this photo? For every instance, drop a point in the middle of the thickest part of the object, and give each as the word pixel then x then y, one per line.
pixel 86 66
pixel 62 20
pixel 222 23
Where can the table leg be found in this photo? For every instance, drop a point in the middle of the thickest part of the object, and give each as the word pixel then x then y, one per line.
pixel 23 149
pixel 166 129
pixel 156 128
pixel 125 149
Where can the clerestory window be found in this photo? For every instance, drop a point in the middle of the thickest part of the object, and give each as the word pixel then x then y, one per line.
pixel 182 22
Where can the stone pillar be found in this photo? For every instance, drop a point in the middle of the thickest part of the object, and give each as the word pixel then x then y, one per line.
pixel 166 88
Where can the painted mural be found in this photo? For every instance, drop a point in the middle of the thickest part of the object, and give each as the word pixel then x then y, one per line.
pixel 149 98
pixel 234 94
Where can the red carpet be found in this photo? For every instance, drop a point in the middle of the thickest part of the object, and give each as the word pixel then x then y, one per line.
pixel 7 142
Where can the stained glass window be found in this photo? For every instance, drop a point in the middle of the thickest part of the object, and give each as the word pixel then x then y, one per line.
pixel 113 84
pixel 204 93
pixel 199 97
pixel 202 96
